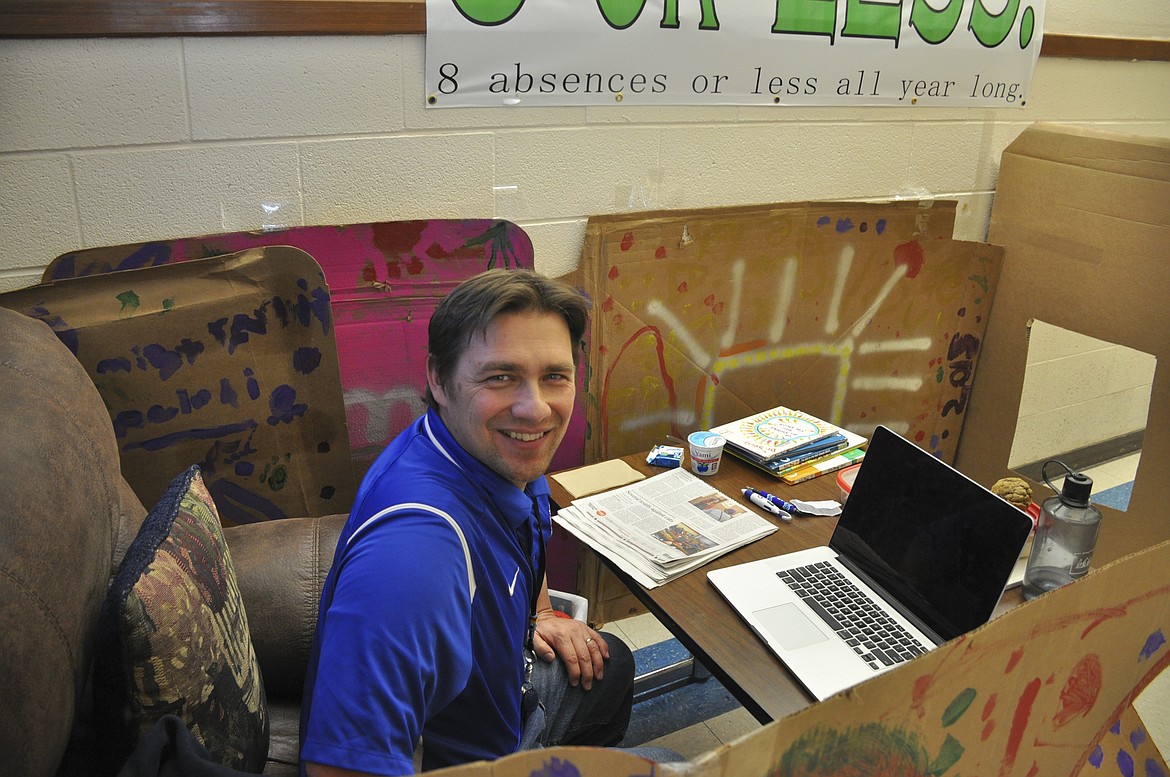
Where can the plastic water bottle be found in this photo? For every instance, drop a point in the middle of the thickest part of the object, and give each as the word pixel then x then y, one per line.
pixel 1066 535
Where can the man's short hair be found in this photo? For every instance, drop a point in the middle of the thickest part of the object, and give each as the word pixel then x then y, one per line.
pixel 470 308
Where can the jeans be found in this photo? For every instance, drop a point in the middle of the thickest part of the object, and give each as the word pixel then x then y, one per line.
pixel 568 715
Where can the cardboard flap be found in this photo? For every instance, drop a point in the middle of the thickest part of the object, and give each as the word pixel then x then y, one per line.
pixel 229 363
pixel 1088 197
pixel 1094 149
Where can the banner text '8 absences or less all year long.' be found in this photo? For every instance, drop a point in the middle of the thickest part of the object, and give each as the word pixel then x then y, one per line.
pixel 939 53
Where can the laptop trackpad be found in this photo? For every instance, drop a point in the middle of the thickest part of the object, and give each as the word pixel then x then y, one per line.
pixel 788 627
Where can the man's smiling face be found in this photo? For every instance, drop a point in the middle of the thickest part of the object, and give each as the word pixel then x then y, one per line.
pixel 511 394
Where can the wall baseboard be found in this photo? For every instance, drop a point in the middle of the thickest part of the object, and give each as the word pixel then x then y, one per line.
pixel 1089 456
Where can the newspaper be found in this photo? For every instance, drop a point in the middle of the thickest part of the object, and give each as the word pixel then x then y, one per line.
pixel 662 527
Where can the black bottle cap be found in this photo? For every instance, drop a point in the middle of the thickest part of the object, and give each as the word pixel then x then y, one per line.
pixel 1076 490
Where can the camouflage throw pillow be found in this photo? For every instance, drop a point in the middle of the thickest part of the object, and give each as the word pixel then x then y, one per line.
pixel 173 637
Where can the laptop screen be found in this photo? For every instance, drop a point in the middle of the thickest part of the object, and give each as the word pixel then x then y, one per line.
pixel 941 544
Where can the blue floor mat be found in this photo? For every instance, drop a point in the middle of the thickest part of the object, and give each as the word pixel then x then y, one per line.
pixel 1116 497
pixel 677 709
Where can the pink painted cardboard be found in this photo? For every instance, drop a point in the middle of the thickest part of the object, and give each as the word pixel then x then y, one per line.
pixel 385 279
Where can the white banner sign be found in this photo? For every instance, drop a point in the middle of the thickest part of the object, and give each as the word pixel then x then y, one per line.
pixel 958 53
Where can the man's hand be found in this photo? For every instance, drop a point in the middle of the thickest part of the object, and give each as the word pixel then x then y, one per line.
pixel 582 650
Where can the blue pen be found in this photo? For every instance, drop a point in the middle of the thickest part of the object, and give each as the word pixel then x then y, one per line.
pixel 787 507
pixel 768 502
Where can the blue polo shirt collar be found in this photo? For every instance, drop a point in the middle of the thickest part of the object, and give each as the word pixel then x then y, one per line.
pixel 514 504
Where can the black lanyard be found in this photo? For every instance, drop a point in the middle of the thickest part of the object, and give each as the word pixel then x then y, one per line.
pixel 538 577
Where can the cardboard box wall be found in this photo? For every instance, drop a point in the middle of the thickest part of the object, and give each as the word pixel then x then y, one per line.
pixel 1084 220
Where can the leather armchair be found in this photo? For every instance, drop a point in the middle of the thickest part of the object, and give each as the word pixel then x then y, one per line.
pixel 66 519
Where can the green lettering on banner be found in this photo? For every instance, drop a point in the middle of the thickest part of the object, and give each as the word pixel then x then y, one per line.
pixel 992 29
pixel 709 20
pixel 1027 27
pixel 806 17
pixel 488 13
pixel 867 19
pixel 620 14
pixel 935 26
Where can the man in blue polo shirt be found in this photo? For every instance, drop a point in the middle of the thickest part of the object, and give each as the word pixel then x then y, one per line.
pixel 437 599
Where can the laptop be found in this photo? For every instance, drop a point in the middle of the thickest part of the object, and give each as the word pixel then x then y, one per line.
pixel 931 549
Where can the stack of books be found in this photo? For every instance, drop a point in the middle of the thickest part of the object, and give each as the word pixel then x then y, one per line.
pixel 792 445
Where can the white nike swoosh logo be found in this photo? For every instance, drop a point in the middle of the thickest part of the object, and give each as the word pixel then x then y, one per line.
pixel 512 586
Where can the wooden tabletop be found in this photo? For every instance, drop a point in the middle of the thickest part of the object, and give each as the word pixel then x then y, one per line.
pixel 702 620
pixel 707 626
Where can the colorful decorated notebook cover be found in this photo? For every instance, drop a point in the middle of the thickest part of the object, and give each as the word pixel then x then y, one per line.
pixel 771 434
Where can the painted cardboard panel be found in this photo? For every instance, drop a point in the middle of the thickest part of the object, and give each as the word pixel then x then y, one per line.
pixel 860 313
pixel 1044 689
pixel 566 762
pixel 1127 750
pixel 1033 692
pixel 1084 219
pixel 229 363
pixel 385 279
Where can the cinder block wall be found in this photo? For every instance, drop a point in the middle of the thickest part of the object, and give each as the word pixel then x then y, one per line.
pixel 1079 391
pixel 106 141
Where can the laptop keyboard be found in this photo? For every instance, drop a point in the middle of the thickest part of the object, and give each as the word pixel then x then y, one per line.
pixel 870 631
